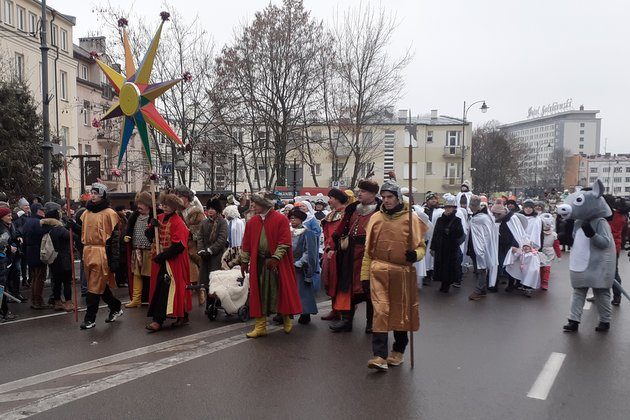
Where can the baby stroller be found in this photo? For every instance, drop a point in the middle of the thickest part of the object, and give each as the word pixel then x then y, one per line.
pixel 228 291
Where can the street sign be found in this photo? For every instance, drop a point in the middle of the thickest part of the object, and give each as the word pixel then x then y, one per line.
pixel 92 170
pixel 167 169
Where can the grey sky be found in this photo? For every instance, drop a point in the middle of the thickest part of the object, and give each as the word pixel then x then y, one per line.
pixel 512 53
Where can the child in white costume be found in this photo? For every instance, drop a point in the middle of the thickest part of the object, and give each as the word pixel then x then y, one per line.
pixel 550 249
pixel 525 267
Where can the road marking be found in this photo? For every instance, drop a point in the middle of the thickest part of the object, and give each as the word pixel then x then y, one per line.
pixel 65 397
pixel 51 315
pixel 544 382
pixel 30 395
pixel 109 368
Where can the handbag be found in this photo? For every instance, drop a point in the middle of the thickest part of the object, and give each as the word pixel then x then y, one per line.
pixel 344 242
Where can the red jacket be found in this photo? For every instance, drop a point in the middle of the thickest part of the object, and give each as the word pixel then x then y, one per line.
pixel 617 225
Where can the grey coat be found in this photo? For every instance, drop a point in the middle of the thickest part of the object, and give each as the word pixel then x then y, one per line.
pixel 215 246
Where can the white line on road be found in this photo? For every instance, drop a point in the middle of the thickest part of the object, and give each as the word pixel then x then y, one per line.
pixel 544 382
pixel 65 397
pixel 51 315
pixel 30 395
pixel 109 368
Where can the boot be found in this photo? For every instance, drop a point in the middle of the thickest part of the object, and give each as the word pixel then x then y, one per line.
pixel 572 326
pixel 68 306
pixel 476 296
pixel 136 298
pixel 287 325
pixel 332 315
pixel 603 327
pixel 395 359
pixel 342 325
pixel 616 300
pixel 260 328
pixel 378 363
pixel 58 306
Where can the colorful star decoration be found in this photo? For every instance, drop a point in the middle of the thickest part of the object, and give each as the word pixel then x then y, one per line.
pixel 136 97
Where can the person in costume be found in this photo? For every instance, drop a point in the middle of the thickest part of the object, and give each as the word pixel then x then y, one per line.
pixel 330 271
pixel 448 235
pixel 484 243
pixel 420 266
pixel 350 237
pixel 306 262
pixel 511 235
pixel 8 251
pixel 170 270
pixel 236 226
pixel 139 247
pixel 212 241
pixel 525 267
pixel 312 224
pixel 433 210
pixel 192 215
pixel 619 228
pixel 320 208
pixel 267 256
pixel 550 249
pixel 99 235
pixel 534 224
pixel 463 197
pixel 388 266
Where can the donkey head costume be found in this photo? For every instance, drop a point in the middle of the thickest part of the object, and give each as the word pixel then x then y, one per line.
pixel 592 260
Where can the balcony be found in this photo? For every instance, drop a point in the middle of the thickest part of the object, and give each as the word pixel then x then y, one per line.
pixel 106 138
pixel 450 182
pixel 452 152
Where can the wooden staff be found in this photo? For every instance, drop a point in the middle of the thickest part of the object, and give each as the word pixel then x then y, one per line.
pixel 74 282
pixel 156 239
pixel 410 245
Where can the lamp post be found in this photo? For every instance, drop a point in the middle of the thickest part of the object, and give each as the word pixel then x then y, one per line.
pixel 484 109
pixel 180 165
pixel 205 168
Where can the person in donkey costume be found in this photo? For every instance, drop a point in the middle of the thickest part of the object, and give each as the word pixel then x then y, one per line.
pixel 592 260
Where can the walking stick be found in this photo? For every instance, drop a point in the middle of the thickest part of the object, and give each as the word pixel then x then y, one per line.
pixel 410 238
pixel 74 281
pixel 157 229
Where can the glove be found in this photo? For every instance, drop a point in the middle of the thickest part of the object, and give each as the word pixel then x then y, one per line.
pixel 154 223
pixel 126 239
pixel 588 230
pixel 202 252
pixel 244 268
pixel 411 256
pixel 159 258
pixel 209 251
pixel 272 264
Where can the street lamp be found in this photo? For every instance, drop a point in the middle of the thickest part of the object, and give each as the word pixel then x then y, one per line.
pixel 180 165
pixel 205 168
pixel 484 109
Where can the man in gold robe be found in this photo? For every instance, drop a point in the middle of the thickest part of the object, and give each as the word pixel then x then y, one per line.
pixel 388 266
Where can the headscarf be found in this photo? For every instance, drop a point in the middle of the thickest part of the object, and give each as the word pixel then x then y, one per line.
pixel 310 213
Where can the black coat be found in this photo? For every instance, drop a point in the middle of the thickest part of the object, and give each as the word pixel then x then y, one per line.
pixel 448 235
pixel 32 233
pixel 60 236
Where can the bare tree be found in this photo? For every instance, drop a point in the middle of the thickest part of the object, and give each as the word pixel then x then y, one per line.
pixel 370 79
pixel 494 156
pixel 552 173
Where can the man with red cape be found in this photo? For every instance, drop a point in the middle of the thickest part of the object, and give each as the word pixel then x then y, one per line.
pixel 268 257
pixel 170 270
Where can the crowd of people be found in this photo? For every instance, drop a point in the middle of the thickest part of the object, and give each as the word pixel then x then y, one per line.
pixel 374 245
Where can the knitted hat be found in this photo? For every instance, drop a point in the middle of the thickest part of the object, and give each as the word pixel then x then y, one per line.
pixel 368 185
pixel 184 191
pixel 339 195
pixel 172 200
pixel 297 213
pixel 22 202
pixel 392 187
pixel 144 197
pixel 4 211
pixel 100 189
pixel 351 197
pixel 450 201
pixel 215 203
pixel 512 202
pixel 231 212
pixel 466 184
pixel 430 195
pixel 35 207
pixel 264 198
pixel 529 203
pixel 547 219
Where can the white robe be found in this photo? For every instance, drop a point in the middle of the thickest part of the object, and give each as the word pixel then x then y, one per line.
pixel 518 231
pixel 485 239
pixel 526 268
pixel 533 230
pixel 237 230
pixel 421 267
pixel 462 213
pixel 428 259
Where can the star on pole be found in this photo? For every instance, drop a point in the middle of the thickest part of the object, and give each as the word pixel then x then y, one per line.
pixel 136 96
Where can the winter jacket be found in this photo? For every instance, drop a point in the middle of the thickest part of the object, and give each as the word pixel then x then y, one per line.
pixel 60 236
pixel 32 233
pixel 617 224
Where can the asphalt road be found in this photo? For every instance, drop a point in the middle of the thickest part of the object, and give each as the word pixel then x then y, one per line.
pixel 474 360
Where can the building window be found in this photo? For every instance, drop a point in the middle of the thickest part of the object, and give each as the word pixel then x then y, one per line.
pixel 429 170
pixel 32 24
pixel 64 136
pixel 84 72
pixel 63 85
pixel 53 34
pixel 581 146
pixel 617 179
pixel 452 138
pixel 627 179
pixel 8 12
pixel 581 124
pixel 20 18
pixel 316 169
pixel 88 149
pixel 618 169
pixel 413 171
pixel 19 67
pixel 581 138
pixel 86 113
pixel 592 179
pixel 581 131
pixel 606 169
pixel 593 170
pixel 430 136
pixel 617 190
pixel 64 40
pixel 627 189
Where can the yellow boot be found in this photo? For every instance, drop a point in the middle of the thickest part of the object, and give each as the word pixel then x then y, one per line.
pixel 136 298
pixel 260 328
pixel 287 325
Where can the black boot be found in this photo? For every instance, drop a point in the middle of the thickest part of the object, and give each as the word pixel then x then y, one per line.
pixel 342 325
pixel 572 326
pixel 304 319
pixel 616 300
pixel 603 327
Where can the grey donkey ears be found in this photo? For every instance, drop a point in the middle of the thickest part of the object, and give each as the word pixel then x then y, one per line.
pixel 598 188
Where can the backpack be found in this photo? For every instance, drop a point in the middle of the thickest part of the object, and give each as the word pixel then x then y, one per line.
pixel 47 253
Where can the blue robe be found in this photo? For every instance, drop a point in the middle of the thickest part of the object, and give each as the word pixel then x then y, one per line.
pixel 314 226
pixel 306 261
